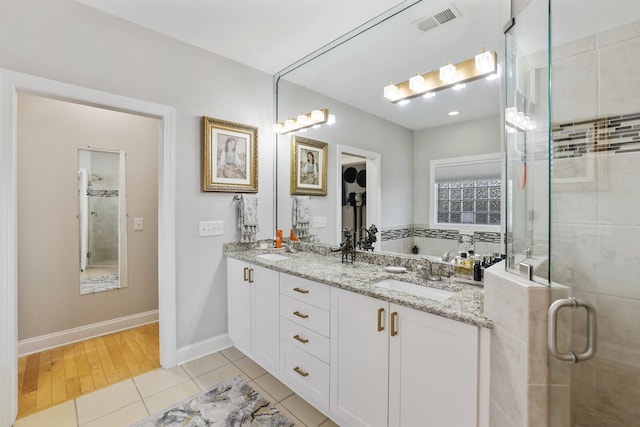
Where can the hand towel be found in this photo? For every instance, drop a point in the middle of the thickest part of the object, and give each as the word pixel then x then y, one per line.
pixel 301 215
pixel 248 218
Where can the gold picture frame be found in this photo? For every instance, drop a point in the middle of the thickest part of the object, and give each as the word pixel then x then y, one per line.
pixel 308 167
pixel 230 156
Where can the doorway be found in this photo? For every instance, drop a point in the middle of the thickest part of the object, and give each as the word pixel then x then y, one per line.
pixel 11 83
pixel 359 184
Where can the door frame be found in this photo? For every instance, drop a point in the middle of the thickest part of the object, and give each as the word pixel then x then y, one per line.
pixel 11 83
pixel 374 190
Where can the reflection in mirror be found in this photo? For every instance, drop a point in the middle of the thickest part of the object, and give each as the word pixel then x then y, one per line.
pixel 348 79
pixel 102 220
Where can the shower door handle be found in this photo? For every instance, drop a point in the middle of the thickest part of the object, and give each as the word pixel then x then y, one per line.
pixel 571 356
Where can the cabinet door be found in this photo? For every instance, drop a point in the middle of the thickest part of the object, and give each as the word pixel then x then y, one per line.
pixel 359 359
pixel 266 318
pixel 239 304
pixel 433 371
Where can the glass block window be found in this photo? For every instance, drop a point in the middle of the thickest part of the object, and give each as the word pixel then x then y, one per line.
pixel 473 202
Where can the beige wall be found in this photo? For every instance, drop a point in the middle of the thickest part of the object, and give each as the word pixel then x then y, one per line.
pixel 49 134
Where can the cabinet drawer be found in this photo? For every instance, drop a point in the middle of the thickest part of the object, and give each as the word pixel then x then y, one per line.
pixel 305 339
pixel 305 314
pixel 307 375
pixel 313 293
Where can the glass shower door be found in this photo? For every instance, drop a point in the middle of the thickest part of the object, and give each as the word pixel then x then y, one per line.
pixel 595 196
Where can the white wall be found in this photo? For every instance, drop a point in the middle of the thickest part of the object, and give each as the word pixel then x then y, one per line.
pixel 69 42
pixel 468 138
pixel 353 128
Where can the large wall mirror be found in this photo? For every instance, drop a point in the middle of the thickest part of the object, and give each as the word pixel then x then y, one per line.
pixel 349 78
pixel 102 220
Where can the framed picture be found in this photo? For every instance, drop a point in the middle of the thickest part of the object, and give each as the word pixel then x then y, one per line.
pixel 308 167
pixel 230 156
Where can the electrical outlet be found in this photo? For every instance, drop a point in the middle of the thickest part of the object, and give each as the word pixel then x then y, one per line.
pixel 319 222
pixel 211 228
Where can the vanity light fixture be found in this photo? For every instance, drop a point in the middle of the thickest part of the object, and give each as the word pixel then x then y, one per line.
pixel 304 121
pixel 450 75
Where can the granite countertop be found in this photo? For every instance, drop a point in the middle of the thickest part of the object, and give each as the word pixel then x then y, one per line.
pixel 465 306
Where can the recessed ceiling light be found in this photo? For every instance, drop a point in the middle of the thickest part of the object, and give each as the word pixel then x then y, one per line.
pixel 454 113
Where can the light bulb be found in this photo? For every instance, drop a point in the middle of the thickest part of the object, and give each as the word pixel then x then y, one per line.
pixel 459 86
pixel 448 73
pixel 331 120
pixel 391 92
pixel 485 62
pixel 277 127
pixel 317 115
pixel 429 95
pixel 404 102
pixel 416 83
pixel 302 120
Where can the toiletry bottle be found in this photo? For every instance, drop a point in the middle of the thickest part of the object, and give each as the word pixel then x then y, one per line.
pixel 278 239
pixel 477 271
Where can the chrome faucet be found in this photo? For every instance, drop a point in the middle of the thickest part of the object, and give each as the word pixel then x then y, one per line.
pixel 426 272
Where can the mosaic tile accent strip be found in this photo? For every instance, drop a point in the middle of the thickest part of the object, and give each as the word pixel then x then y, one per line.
pixel 610 135
pixel 478 236
pixel 400 233
pixel 486 237
pixel 102 193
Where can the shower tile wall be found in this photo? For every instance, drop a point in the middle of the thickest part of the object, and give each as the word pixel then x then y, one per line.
pixel 595 220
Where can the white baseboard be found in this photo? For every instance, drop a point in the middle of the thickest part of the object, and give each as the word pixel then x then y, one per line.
pixel 203 348
pixel 57 339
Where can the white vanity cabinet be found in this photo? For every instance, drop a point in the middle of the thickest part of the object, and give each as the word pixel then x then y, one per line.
pixel 393 365
pixel 253 305
pixel 305 338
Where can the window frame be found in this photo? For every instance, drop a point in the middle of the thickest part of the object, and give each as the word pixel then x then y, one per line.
pixel 463 161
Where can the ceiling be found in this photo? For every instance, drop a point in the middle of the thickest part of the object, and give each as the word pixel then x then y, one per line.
pixel 262 34
pixel 270 39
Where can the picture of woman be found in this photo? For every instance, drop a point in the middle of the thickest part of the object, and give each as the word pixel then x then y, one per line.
pixel 309 170
pixel 230 164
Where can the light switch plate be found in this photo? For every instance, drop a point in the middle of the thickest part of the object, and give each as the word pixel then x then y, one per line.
pixel 138 224
pixel 211 228
pixel 319 222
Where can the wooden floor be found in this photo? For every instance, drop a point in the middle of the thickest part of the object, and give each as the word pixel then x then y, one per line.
pixel 54 376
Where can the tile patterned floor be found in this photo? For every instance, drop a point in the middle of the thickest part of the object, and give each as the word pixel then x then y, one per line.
pixel 132 400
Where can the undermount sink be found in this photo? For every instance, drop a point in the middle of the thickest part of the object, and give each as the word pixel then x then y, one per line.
pixel 273 257
pixel 416 290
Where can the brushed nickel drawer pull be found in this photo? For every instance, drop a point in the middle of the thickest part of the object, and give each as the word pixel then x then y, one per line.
pixel 297 313
pixel 301 372
pixel 246 272
pixel 302 291
pixel 251 275
pixel 299 338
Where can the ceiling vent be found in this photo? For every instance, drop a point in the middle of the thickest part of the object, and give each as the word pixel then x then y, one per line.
pixel 440 17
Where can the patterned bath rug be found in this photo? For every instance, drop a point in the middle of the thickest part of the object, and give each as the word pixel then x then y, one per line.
pixel 231 403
